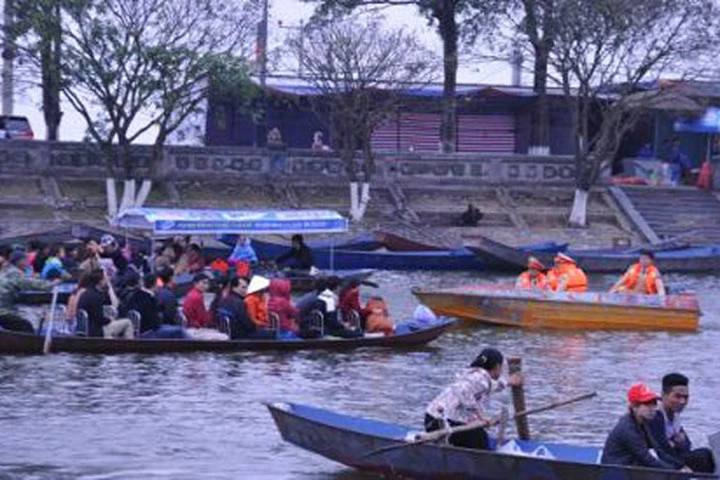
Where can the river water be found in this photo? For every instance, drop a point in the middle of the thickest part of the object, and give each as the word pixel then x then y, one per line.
pixel 201 416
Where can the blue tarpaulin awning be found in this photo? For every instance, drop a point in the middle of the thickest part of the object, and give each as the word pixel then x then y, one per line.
pixel 708 123
pixel 169 221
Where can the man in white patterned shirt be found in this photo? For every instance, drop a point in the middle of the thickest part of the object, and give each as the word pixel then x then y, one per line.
pixel 466 400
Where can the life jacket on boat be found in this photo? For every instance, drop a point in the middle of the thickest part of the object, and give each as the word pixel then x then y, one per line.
pixel 575 278
pixel 632 276
pixel 378 319
pixel 525 280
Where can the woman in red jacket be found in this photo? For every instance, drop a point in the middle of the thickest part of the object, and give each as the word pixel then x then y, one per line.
pixel 280 304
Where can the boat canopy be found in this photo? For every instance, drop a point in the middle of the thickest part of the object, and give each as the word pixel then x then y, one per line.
pixel 173 221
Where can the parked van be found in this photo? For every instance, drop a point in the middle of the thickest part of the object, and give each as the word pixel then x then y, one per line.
pixel 15 128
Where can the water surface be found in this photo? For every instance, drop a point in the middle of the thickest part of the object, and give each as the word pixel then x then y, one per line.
pixel 202 415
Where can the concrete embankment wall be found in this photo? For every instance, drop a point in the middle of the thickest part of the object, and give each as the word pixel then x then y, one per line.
pixel 523 198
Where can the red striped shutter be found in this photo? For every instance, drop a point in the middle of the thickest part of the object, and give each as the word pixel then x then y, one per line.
pixel 419 132
pixel 385 136
pixel 486 133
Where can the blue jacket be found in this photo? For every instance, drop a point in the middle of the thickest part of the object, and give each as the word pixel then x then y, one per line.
pixel 629 444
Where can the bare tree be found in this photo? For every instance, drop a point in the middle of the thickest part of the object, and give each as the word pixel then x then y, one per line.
pixel 603 50
pixel 142 67
pixel 451 18
pixel 360 69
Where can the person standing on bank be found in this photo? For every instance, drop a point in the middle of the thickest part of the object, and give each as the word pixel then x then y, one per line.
pixel 669 434
pixel 466 400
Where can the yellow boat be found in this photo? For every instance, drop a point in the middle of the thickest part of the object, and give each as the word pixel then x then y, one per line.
pixel 507 306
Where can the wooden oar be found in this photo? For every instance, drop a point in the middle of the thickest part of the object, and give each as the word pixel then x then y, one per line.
pixel 437 435
pixel 50 326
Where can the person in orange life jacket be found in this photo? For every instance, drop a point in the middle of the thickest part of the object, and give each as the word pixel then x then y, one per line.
pixel 533 277
pixel 642 277
pixel 194 304
pixel 378 317
pixel 256 301
pixel 566 276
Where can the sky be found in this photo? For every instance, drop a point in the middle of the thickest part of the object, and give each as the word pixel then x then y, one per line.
pixel 290 13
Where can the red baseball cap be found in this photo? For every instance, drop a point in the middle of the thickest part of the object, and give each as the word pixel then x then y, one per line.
pixel 641 393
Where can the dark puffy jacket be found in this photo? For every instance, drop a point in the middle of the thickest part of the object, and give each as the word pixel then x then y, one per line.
pixel 629 444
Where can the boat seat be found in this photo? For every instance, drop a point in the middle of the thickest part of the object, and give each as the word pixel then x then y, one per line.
pixel 224 322
pixel 82 323
pixel 110 312
pixel 273 322
pixel 316 322
pixel 354 319
pixel 136 320
pixel 181 319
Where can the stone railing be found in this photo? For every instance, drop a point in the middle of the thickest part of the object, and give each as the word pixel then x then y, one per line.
pixel 84 160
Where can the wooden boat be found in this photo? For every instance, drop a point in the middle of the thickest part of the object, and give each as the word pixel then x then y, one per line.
pixel 499 256
pixel 457 260
pixel 24 343
pixel 414 242
pixel 506 306
pixel 270 250
pixel 691 259
pixel 349 440
pixel 183 283
pixel 75 233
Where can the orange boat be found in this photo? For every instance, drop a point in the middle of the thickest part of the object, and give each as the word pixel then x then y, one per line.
pixel 506 306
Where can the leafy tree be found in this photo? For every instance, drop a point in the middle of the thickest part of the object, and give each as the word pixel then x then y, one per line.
pixel 138 67
pixel 360 69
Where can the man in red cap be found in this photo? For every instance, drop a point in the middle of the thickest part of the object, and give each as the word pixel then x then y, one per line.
pixel 566 276
pixel 533 277
pixel 630 442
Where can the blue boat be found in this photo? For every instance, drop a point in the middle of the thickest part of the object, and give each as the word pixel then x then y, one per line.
pixel 691 259
pixel 268 250
pixel 457 260
pixel 356 442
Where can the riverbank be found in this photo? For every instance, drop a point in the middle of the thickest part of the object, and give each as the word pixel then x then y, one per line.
pixel 513 215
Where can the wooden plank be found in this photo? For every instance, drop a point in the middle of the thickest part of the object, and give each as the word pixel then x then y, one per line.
pixel 518 396
pixel 627 206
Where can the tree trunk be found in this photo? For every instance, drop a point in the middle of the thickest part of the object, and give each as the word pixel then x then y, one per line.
pixel 354 201
pixel 111 192
pixel 449 34
pixel 364 200
pixel 578 215
pixel 540 136
pixel 50 66
pixel 8 55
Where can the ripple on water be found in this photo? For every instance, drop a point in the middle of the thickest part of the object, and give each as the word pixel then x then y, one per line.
pixel 201 415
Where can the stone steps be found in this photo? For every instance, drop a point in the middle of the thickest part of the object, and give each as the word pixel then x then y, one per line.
pixel 669 212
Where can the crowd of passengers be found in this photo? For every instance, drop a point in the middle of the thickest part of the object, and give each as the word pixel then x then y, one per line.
pixel 123 293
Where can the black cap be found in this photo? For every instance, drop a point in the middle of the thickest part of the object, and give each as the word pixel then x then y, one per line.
pixel 488 359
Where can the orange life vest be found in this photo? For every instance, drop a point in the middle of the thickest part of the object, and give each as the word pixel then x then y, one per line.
pixel 631 277
pixel 526 281
pixel 576 280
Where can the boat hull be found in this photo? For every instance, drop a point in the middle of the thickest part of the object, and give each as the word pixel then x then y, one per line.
pixel 499 256
pixel 587 311
pixel 23 343
pixel 693 259
pixel 348 440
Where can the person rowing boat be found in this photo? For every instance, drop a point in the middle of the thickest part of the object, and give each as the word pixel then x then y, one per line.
pixel 566 276
pixel 465 400
pixel 642 277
